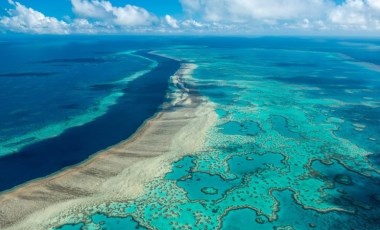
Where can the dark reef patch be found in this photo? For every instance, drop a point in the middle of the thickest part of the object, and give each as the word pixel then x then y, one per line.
pixel 70 106
pixel 101 87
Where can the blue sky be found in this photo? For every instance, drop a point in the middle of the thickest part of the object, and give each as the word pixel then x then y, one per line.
pixel 349 17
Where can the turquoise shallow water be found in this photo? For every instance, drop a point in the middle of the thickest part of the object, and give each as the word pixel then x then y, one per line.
pixel 296 144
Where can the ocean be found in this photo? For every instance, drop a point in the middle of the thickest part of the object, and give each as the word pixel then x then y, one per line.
pixel 296 144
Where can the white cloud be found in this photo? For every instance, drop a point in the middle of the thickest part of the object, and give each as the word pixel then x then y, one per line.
pixel 351 13
pixel 127 15
pixel 374 4
pixel 357 14
pixel 191 5
pixel 192 23
pixel 203 16
pixel 82 26
pixel 93 17
pixel 246 10
pixel 303 15
pixel 28 20
pixel 172 22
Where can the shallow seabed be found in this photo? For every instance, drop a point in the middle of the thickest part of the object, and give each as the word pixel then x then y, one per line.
pixel 295 147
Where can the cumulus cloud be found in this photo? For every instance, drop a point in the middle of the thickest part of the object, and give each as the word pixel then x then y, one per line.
pixel 172 22
pixel 357 14
pixel 192 23
pixel 28 20
pixel 352 12
pixel 374 4
pixel 203 16
pixel 191 5
pixel 295 14
pixel 127 15
pixel 245 10
pixel 92 17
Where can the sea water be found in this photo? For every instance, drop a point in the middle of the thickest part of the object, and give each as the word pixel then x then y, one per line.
pixel 60 105
pixel 296 145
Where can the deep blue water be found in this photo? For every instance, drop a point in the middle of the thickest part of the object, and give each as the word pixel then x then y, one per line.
pixel 142 98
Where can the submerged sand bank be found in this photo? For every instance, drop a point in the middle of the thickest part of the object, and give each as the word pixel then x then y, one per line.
pixel 120 172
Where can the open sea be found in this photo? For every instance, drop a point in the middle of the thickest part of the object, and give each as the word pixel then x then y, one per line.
pixel 296 144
